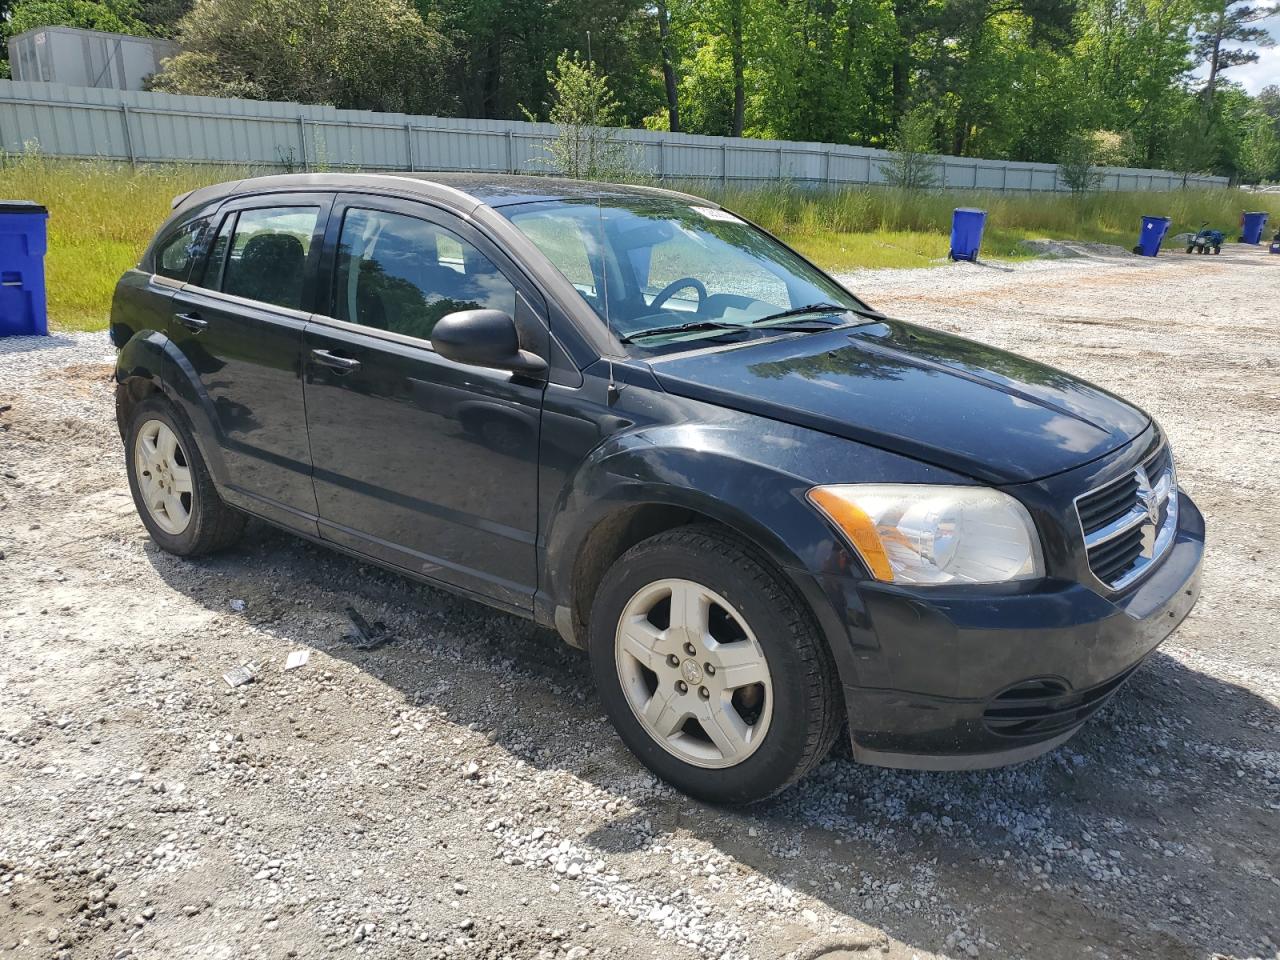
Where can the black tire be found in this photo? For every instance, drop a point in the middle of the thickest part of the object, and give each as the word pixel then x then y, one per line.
pixel 807 708
pixel 1191 249
pixel 213 525
pixel 1217 249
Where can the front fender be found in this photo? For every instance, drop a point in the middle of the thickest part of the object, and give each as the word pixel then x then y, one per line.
pixel 752 476
pixel 152 356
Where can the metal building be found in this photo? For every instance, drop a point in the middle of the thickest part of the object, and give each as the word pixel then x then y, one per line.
pixel 87 58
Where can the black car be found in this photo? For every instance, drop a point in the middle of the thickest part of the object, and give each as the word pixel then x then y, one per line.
pixel 762 507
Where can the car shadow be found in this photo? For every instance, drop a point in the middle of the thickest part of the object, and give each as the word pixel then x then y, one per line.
pixel 1152 833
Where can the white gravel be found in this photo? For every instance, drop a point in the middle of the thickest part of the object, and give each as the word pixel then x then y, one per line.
pixel 458 792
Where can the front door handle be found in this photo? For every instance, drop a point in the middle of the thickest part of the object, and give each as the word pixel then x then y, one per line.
pixel 340 364
pixel 192 321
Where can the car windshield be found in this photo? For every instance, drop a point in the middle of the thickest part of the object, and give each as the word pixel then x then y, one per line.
pixel 668 275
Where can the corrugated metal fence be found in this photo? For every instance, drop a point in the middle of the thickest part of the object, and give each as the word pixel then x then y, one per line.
pixel 130 126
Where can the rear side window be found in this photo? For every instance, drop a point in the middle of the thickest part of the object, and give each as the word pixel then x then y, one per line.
pixel 267 255
pixel 176 255
pixel 402 274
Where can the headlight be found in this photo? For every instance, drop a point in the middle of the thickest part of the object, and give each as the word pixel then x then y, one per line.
pixel 919 533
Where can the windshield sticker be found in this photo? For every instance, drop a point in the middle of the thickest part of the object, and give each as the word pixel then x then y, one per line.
pixel 724 216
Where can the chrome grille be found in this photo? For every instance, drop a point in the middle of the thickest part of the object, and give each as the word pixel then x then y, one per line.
pixel 1129 522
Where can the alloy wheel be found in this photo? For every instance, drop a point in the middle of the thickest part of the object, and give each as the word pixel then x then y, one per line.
pixel 164 476
pixel 693 673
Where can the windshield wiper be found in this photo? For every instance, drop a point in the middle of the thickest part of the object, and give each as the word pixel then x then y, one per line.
pixel 683 328
pixel 819 308
pixel 768 322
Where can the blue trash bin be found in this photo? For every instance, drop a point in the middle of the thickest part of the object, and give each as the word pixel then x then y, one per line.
pixel 1153 231
pixel 23 240
pixel 1251 227
pixel 966 233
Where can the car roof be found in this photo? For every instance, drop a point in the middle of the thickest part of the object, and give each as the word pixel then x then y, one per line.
pixel 462 190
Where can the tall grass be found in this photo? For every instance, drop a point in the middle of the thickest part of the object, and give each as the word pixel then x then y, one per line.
pixel 101 216
pixel 880 227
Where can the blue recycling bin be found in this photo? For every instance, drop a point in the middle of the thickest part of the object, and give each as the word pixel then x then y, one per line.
pixel 23 240
pixel 1251 227
pixel 1153 231
pixel 966 233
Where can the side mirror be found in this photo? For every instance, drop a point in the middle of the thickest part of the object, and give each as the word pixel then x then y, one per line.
pixel 484 338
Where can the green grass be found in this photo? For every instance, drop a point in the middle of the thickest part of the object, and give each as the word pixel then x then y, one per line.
pixel 102 215
pixel 849 229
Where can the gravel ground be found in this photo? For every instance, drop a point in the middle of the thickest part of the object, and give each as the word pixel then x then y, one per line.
pixel 458 793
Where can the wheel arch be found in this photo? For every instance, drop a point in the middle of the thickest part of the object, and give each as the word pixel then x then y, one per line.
pixel 637 486
pixel 617 532
pixel 150 363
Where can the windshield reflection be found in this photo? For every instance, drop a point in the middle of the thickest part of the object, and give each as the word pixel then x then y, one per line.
pixel 664 274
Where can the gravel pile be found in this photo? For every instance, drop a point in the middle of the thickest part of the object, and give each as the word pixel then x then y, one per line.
pixel 458 793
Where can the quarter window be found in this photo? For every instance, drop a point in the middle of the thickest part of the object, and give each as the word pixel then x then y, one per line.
pixel 212 277
pixel 180 251
pixel 402 274
pixel 268 255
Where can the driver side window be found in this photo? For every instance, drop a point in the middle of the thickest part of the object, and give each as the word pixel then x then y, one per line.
pixel 402 274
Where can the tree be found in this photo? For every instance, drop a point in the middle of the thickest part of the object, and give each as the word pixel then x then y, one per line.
pixel 912 167
pixel 506 48
pixel 584 110
pixel 1076 164
pixel 1229 22
pixel 1260 152
pixel 670 85
pixel 112 16
pixel 357 54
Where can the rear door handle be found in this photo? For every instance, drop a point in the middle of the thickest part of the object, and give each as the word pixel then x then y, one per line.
pixel 340 364
pixel 192 321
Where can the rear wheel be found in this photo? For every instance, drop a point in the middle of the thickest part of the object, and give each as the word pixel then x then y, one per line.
pixel 711 668
pixel 1191 248
pixel 171 486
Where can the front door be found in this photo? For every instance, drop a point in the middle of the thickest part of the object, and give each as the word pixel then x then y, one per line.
pixel 420 461
pixel 239 325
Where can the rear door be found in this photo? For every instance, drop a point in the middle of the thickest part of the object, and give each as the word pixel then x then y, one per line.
pixel 239 323
pixel 420 461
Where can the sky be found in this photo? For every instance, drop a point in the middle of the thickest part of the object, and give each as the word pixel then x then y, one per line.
pixel 1255 76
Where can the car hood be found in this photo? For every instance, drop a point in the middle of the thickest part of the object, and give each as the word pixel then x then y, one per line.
pixel 945 400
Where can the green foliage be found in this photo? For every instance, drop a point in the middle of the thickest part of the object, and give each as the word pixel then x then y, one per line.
pixel 1018 80
pixel 584 109
pixel 504 49
pixel 1083 153
pixel 112 16
pixel 1076 165
pixel 1260 151
pixel 360 54
pixel 912 167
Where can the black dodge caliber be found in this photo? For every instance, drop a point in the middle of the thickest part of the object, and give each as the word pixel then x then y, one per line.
pixel 765 509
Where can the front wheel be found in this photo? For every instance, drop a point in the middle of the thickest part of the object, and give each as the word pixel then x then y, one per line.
pixel 171 486
pixel 711 667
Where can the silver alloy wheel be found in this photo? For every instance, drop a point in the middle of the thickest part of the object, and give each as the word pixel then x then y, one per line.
pixel 693 673
pixel 164 476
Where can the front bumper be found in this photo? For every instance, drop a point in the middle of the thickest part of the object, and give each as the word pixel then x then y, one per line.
pixel 982 679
